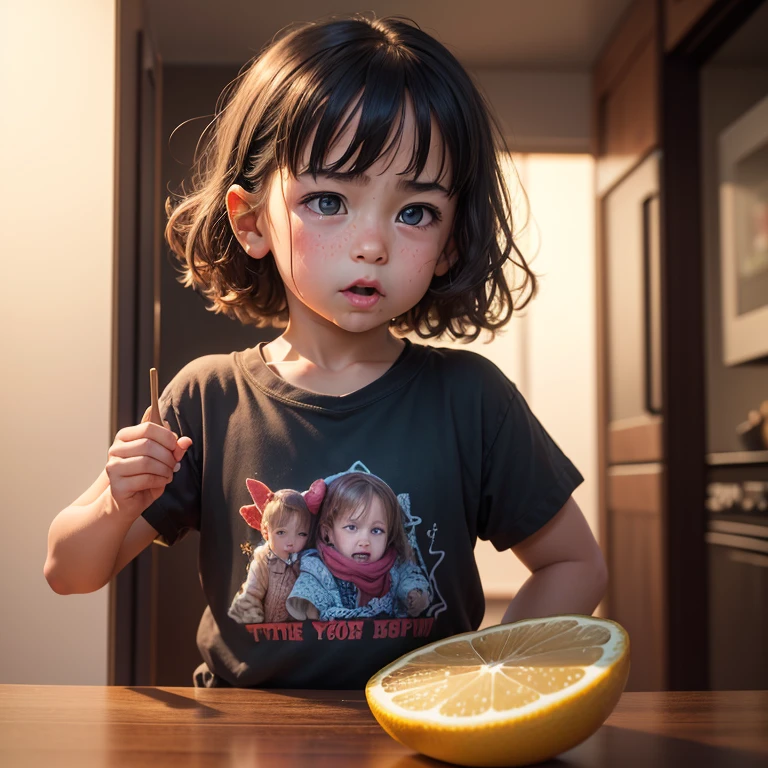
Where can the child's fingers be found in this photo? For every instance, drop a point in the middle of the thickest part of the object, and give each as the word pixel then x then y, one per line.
pixel 147 430
pixel 137 483
pixel 143 447
pixel 118 467
pixel 148 439
pixel 182 446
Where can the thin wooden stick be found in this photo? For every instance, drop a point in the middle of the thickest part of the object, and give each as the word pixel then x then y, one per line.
pixel 154 414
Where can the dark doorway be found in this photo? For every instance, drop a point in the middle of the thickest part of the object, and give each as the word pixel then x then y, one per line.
pixel 156 601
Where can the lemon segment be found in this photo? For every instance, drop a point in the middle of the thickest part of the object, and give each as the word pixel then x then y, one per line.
pixel 507 695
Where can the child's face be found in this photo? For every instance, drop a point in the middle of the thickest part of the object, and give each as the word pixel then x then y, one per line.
pixel 288 538
pixel 364 539
pixel 356 252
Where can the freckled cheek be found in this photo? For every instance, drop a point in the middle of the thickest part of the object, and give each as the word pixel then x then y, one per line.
pixel 312 247
pixel 418 260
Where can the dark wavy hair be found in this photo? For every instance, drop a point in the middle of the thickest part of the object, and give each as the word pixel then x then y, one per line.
pixel 306 82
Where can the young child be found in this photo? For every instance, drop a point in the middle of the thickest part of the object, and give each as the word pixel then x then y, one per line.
pixel 284 520
pixel 351 191
pixel 364 565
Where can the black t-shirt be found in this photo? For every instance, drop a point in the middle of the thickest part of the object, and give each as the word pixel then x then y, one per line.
pixel 445 429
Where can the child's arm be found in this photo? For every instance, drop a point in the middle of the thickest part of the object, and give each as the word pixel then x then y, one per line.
pixel 568 572
pixel 412 588
pixel 102 530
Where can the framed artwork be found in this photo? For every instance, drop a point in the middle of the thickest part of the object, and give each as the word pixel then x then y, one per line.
pixel 744 236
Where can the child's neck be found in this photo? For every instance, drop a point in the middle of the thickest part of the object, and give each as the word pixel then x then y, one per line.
pixel 330 360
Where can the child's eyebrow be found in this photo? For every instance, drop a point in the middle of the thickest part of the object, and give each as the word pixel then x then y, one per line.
pixel 361 179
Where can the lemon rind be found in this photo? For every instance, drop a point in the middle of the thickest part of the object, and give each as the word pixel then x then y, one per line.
pixel 613 650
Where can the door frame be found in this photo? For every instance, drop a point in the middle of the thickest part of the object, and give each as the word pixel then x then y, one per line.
pixel 136 321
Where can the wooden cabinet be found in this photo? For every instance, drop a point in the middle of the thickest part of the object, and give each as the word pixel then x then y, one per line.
pixel 625 107
pixel 626 114
pixel 738 596
pixel 633 413
pixel 635 499
pixel 631 242
pixel 680 17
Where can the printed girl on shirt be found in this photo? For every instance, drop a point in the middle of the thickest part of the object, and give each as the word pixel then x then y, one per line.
pixel 284 520
pixel 363 565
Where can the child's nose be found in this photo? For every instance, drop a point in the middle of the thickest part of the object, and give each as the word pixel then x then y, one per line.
pixel 370 246
pixel 371 256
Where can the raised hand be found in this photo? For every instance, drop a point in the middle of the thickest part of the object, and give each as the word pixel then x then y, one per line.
pixel 141 462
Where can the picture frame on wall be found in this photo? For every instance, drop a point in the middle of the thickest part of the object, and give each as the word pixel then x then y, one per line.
pixel 743 148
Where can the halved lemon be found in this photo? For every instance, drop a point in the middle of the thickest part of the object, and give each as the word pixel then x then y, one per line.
pixel 504 696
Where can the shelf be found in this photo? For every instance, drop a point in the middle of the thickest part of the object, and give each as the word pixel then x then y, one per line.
pixel 737 457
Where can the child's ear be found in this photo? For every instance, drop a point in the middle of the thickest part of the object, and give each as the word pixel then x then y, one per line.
pixel 246 222
pixel 447 258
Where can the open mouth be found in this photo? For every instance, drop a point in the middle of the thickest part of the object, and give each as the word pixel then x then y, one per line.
pixel 363 294
pixel 361 557
pixel 362 290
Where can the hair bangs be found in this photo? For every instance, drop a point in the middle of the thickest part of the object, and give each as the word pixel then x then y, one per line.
pixel 283 508
pixel 378 94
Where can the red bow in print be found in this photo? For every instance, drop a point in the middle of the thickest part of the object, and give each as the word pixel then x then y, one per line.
pixel 261 495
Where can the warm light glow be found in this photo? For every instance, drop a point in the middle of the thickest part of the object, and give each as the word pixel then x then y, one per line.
pixel 57 159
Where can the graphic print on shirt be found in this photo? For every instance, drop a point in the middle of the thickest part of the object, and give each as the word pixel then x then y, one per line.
pixel 284 520
pixel 341 560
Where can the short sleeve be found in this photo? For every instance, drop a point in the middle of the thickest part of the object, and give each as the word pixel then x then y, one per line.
pixel 526 478
pixel 177 511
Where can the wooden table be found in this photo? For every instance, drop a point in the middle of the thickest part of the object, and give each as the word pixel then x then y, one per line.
pixel 83 726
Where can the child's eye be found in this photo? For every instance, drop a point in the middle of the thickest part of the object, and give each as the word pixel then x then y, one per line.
pixel 351 527
pixel 303 534
pixel 325 204
pixel 377 531
pixel 413 216
pixel 279 533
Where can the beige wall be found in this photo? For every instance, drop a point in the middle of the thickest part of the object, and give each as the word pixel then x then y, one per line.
pixel 57 75
pixel 561 381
